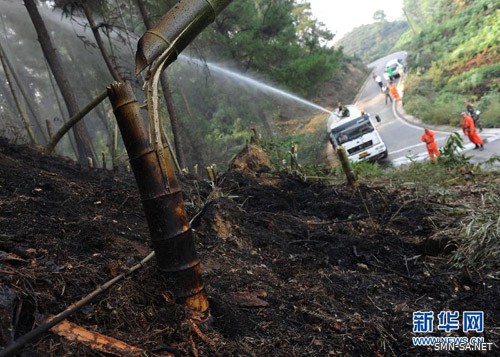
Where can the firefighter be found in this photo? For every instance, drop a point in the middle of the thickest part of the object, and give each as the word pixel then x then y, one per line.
pixel 394 91
pixel 474 114
pixel 470 131
pixel 430 142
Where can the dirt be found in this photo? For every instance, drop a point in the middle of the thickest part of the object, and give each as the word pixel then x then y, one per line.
pixel 291 267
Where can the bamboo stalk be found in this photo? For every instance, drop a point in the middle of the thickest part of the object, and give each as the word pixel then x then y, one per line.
pixel 161 196
pixel 90 163
pixel 114 154
pixel 49 128
pixel 294 165
pixel 73 120
pixel 346 167
pixel 103 161
pixel 210 173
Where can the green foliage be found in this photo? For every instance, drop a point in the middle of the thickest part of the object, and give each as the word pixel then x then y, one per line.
pixel 370 42
pixel 490 110
pixel 310 150
pixel 379 15
pixel 366 170
pixel 443 110
pixel 275 39
pixel 419 12
pixel 451 152
pixel 424 173
pixel 304 73
pixel 279 149
pixel 493 160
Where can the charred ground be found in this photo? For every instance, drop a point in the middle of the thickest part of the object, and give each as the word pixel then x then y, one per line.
pixel 292 267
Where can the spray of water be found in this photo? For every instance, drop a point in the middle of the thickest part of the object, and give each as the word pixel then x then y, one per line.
pixel 253 82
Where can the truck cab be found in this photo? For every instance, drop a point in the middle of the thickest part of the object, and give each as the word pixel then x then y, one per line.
pixel 355 131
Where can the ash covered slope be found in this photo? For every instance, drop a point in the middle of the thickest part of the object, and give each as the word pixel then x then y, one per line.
pixel 291 267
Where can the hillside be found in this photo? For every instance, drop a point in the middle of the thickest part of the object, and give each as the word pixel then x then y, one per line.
pixel 292 267
pixel 454 57
pixel 373 41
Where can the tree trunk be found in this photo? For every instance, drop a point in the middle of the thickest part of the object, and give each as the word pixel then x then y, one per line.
pixel 97 35
pixel 61 110
pixel 19 106
pixel 83 142
pixel 167 94
pixel 23 93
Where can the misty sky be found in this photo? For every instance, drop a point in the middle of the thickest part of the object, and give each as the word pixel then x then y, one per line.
pixel 341 16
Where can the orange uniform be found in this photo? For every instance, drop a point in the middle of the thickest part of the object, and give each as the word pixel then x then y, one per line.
pixel 470 131
pixel 394 92
pixel 428 139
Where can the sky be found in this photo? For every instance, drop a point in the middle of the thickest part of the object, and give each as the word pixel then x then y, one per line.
pixel 341 16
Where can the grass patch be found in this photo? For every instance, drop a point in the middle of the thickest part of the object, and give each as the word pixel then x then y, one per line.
pixel 479 238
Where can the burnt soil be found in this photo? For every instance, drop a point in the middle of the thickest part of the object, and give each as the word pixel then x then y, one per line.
pixel 291 267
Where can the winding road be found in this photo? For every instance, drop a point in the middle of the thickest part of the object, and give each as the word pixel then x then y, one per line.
pixel 401 132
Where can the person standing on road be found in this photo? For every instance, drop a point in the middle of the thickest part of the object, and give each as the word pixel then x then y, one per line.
pixel 473 114
pixel 385 90
pixel 430 142
pixel 394 91
pixel 390 72
pixel 400 69
pixel 378 79
pixel 470 131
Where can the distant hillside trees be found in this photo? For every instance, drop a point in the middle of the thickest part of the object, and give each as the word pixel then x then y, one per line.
pixel 82 137
pixel 277 38
pixel 370 42
pixel 275 41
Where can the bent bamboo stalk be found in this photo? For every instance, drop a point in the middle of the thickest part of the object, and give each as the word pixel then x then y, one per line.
pixel 177 28
pixel 73 120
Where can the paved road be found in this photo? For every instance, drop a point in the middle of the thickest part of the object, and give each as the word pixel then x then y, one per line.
pixel 402 132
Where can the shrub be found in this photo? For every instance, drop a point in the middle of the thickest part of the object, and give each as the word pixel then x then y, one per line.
pixel 490 117
pixel 450 155
pixel 417 105
pixel 311 148
pixel 365 169
pixel 442 113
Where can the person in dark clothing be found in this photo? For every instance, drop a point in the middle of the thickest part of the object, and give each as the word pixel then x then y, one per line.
pixel 385 90
pixel 343 111
pixel 474 114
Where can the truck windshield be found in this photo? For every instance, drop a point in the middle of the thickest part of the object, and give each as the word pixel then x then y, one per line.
pixel 353 129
